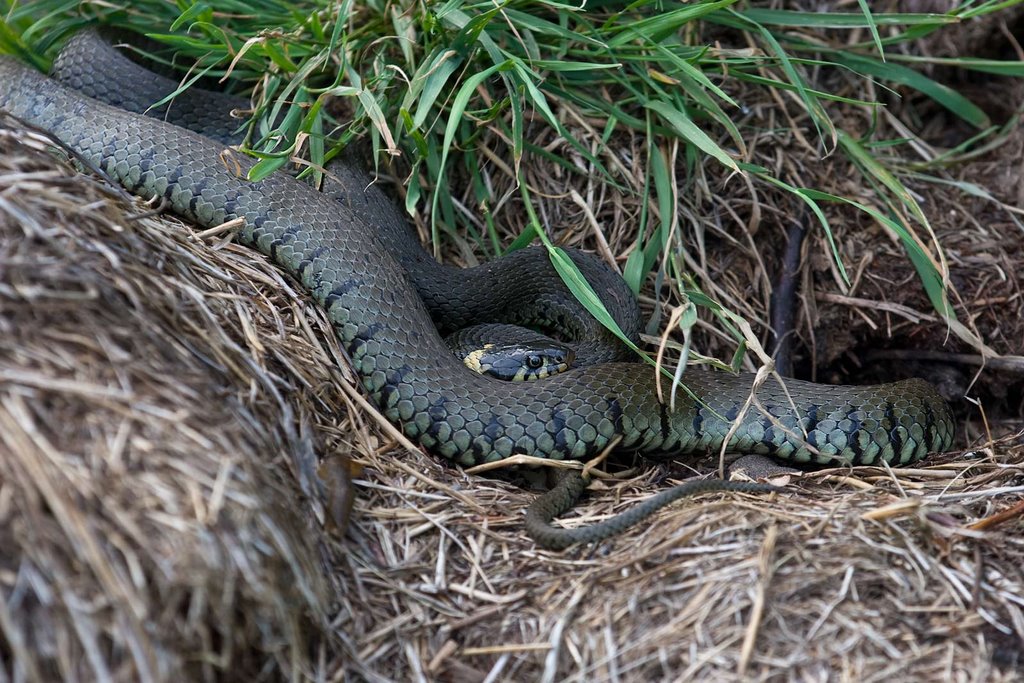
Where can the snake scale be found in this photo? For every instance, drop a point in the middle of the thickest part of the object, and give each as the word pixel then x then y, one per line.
pixel 367 269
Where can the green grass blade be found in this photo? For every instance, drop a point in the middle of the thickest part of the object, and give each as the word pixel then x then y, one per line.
pixel 896 73
pixel 841 20
pixel 927 269
pixel 1014 69
pixel 809 200
pixel 873 26
pixel 429 82
pixel 688 130
pixel 459 104
pixel 822 122
pixel 662 24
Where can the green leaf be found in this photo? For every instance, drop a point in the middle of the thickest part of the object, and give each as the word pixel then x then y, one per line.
pixel 930 277
pixel 196 11
pixel 429 82
pixel 788 18
pixel 873 26
pixel 737 358
pixel 990 66
pixel 279 58
pixel 568 67
pixel 818 115
pixel 663 24
pixel 896 73
pixel 809 199
pixel 864 159
pixel 459 104
pixel 264 167
pixel 543 27
pixel 688 130
pixel 584 293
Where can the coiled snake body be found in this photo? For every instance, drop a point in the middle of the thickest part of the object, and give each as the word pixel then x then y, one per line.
pixel 357 268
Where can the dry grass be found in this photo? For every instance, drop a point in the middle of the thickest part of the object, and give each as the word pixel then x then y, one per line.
pixel 152 459
pixel 175 419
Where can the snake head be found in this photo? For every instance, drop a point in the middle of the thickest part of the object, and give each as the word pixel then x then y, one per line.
pixel 518 362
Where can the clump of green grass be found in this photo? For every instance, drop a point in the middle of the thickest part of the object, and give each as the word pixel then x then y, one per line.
pixel 426 78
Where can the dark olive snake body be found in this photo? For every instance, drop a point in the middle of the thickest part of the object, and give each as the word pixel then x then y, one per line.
pixel 359 272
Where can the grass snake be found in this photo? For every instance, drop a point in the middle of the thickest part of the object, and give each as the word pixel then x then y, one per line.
pixel 353 251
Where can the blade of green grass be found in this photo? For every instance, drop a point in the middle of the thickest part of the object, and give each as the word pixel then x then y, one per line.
pixel 925 265
pixel 688 130
pixel 840 20
pixel 896 73
pixel 873 26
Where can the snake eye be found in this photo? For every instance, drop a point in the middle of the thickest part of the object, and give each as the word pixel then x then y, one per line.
pixel 534 361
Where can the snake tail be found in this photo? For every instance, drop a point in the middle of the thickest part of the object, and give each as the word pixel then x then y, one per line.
pixel 567 491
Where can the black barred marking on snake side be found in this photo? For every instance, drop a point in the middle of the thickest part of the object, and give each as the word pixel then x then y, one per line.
pixel 356 263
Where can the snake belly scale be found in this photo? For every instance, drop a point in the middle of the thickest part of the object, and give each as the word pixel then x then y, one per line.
pixel 341 258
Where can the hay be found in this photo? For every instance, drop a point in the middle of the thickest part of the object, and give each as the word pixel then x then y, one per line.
pixel 151 507
pixel 175 419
